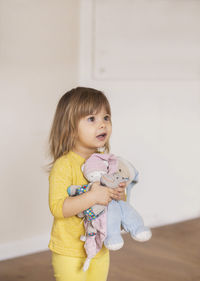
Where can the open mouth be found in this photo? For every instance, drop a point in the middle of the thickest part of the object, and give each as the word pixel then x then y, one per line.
pixel 102 136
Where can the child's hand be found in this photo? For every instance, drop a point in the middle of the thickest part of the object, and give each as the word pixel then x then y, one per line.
pixel 103 195
pixel 121 191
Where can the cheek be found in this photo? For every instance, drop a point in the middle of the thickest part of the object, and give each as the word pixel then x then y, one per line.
pixel 110 129
pixel 82 133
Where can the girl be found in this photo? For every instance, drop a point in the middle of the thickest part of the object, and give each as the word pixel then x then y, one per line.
pixel 81 126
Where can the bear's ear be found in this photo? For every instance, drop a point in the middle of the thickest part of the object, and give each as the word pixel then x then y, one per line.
pixel 82 167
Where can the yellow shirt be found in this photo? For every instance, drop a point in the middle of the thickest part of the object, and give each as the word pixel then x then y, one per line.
pixel 66 232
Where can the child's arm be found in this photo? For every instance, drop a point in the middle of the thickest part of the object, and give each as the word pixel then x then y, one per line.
pixel 61 205
pixel 60 177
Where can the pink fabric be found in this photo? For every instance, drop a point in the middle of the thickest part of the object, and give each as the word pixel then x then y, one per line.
pixel 93 244
pixel 96 163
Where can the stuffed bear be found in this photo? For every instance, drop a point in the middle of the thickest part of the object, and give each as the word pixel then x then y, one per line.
pixel 110 171
pixel 95 217
pixel 121 213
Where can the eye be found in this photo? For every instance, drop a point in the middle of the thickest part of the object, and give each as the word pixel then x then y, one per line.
pixel 91 119
pixel 107 117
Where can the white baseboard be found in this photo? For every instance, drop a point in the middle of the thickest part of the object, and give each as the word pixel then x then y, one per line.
pixel 24 247
pixel 40 243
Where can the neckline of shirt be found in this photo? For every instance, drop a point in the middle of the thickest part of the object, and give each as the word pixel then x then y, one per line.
pixel 79 157
pixel 76 156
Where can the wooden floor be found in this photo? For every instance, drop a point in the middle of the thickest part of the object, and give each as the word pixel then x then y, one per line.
pixel 173 254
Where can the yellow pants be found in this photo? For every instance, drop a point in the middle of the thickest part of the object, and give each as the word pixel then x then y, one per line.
pixel 71 268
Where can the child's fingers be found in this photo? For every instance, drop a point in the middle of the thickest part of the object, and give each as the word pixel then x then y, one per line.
pixel 114 194
pixel 122 184
pixel 119 189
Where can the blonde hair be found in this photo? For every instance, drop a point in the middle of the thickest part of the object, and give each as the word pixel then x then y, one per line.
pixel 72 106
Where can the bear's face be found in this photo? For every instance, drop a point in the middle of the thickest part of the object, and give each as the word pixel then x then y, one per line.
pixel 122 170
pixel 126 169
pixel 112 180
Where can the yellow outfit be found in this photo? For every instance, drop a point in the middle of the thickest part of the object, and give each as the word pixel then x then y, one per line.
pixel 70 268
pixel 65 235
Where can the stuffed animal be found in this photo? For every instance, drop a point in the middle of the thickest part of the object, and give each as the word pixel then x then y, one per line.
pixel 121 213
pixel 94 217
pixel 110 171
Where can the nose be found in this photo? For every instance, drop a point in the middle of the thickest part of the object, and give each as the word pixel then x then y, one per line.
pixel 102 124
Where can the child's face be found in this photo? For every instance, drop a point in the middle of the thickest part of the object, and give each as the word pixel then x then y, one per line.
pixel 94 131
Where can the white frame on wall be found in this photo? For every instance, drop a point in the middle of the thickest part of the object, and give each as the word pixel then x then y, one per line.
pixel 105 56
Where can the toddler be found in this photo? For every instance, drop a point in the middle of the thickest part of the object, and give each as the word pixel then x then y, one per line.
pixel 81 126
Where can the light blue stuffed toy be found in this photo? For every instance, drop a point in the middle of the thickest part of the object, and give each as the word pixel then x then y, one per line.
pixel 121 213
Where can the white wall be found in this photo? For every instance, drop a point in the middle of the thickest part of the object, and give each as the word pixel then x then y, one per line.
pixel 38 63
pixel 156 125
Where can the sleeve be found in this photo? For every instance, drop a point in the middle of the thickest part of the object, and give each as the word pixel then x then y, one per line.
pixel 60 179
